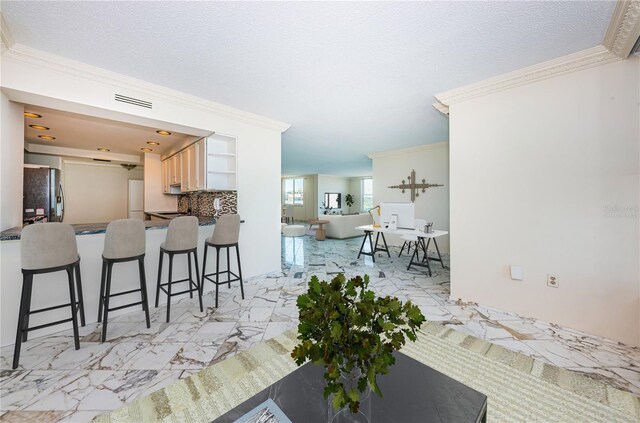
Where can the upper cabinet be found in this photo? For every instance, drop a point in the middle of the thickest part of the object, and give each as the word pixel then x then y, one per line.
pixel 201 160
pixel 165 177
pixel 209 164
pixel 221 163
pixel 175 168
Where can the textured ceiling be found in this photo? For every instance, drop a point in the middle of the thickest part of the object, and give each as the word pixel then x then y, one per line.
pixel 351 78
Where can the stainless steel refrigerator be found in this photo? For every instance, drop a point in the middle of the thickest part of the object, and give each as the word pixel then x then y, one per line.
pixel 43 197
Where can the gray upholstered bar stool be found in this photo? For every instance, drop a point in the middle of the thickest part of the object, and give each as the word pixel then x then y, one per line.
pixel 226 233
pixel 182 238
pixel 123 242
pixel 47 248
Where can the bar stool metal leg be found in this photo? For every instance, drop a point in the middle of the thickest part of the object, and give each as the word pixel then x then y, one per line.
pixel 74 309
pixel 190 275
pixel 169 287
pixel 103 277
pixel 228 267
pixel 26 280
pixel 143 290
pixel 159 278
pixel 80 296
pixel 107 291
pixel 200 282
pixel 25 326
pixel 239 270
pixel 217 273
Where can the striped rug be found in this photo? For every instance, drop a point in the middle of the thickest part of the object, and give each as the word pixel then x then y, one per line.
pixel 519 388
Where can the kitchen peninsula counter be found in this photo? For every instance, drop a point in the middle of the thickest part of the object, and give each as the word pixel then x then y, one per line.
pixel 90 240
pixel 100 228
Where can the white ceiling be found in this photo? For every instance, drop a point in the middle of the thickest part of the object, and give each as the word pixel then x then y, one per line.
pixel 351 78
pixel 73 130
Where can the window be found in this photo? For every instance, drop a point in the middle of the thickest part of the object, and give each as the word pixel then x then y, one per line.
pixel 294 191
pixel 367 193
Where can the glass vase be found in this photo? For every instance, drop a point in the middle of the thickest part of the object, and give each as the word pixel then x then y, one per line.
pixel 344 415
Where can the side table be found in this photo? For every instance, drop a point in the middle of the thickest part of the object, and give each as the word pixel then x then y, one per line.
pixel 320 232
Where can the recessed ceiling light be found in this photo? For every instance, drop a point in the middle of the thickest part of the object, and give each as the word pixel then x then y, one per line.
pixel 104 150
pixel 163 132
pixel 40 127
pixel 47 137
pixel 146 150
pixel 32 115
pixel 153 143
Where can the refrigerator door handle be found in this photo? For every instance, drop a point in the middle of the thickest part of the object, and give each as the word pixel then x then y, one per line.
pixel 61 202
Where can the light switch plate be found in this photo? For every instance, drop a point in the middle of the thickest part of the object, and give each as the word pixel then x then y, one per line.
pixel 516 273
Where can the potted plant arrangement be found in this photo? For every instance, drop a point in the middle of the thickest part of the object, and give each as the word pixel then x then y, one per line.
pixel 353 333
pixel 326 208
pixel 349 200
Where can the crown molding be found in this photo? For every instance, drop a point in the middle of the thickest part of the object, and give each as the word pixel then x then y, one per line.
pixel 409 150
pixel 34 57
pixel 566 64
pixel 624 28
pixel 444 110
pixel 6 38
pixel 621 36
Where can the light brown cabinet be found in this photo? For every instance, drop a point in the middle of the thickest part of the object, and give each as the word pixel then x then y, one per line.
pixel 175 169
pixel 165 176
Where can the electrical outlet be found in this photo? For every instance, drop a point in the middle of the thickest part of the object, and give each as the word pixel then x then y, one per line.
pixel 552 281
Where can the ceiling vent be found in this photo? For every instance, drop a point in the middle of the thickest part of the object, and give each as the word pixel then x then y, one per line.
pixel 135 101
pixel 102 160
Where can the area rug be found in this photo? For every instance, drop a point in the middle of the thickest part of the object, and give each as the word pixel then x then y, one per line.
pixel 519 388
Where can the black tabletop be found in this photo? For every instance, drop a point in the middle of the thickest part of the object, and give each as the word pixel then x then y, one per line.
pixel 411 392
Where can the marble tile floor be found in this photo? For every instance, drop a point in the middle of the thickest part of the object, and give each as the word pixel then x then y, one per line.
pixel 56 383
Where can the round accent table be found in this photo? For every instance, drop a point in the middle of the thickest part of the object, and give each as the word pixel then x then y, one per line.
pixel 320 232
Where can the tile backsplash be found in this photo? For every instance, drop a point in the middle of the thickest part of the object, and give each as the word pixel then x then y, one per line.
pixel 201 203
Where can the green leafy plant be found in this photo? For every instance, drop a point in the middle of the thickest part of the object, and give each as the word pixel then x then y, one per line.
pixel 349 200
pixel 345 327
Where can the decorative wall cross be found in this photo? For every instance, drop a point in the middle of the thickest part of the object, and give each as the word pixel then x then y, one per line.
pixel 413 186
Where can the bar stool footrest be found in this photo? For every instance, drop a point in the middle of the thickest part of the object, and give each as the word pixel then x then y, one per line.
pixel 235 279
pixel 125 306
pixel 46 325
pixel 125 292
pixel 51 308
pixel 192 284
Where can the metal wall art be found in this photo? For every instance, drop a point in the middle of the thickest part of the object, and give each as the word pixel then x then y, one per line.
pixel 413 186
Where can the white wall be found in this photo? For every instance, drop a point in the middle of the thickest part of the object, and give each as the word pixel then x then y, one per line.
pixel 546 176
pixel 38 78
pixel 96 192
pixel 355 189
pixel 154 198
pixel 11 161
pixel 431 162
pixel 330 183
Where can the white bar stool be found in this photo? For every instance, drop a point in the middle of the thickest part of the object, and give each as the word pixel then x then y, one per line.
pixel 226 234
pixel 47 248
pixel 123 242
pixel 182 238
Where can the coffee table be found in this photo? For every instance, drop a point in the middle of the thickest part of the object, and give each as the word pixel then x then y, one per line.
pixel 411 392
pixel 320 232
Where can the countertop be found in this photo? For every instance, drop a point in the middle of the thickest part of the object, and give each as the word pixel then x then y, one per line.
pixel 100 228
